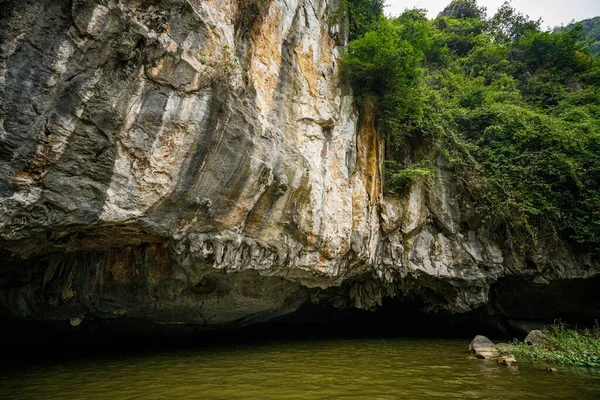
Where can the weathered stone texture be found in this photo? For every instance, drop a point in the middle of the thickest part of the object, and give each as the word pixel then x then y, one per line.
pixel 483 347
pixel 201 161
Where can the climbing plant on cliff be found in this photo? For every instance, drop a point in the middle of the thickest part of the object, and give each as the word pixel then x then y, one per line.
pixel 362 14
pixel 384 64
pixel 515 109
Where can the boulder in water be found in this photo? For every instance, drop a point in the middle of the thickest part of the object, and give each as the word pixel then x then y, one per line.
pixel 483 347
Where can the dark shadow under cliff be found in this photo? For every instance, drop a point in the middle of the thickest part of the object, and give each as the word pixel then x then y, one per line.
pixel 516 307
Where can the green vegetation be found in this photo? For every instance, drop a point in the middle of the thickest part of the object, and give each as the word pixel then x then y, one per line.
pixel 362 14
pixel 516 110
pixel 592 29
pixel 401 177
pixel 563 346
pixel 358 16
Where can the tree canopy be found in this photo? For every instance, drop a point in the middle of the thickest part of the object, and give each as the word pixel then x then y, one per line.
pixel 592 29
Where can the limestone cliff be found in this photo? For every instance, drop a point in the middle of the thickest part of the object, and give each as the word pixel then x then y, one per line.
pixel 203 162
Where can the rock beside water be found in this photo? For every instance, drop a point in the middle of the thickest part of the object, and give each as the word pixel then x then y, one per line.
pixel 535 338
pixel 483 347
pixel 507 360
pixel 504 347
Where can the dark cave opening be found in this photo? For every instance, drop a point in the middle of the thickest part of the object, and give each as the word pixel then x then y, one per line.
pixel 47 341
pixel 575 300
pixel 514 307
pixel 39 343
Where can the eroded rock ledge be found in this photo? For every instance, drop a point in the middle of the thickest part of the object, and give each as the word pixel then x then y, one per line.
pixel 201 162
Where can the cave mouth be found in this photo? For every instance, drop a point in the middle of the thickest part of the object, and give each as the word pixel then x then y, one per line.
pixel 41 342
pixel 514 308
pixel 400 318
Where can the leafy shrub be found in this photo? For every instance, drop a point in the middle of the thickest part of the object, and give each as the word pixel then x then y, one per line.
pixel 564 346
pixel 400 177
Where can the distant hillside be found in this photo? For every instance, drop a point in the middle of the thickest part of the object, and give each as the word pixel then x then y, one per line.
pixel 592 27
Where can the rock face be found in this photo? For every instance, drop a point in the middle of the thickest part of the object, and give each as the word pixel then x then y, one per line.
pixel 203 162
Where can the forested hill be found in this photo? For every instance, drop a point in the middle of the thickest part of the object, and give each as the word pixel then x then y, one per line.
pixel 514 108
pixel 592 29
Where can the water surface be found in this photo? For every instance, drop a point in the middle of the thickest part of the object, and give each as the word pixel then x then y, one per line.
pixel 311 369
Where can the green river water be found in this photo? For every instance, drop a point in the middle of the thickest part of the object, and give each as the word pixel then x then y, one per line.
pixel 294 369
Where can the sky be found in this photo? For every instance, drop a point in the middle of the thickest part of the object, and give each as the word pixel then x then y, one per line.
pixel 553 12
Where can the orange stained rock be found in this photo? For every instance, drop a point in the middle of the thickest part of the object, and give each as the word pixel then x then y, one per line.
pixel 368 152
pixel 160 271
pixel 264 70
pixel 308 68
pixel 120 266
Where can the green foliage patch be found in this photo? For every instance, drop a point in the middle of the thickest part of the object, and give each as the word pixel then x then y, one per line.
pixel 592 29
pixel 563 346
pixel 401 177
pixel 516 110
